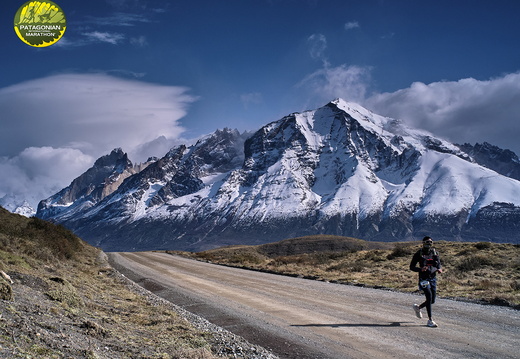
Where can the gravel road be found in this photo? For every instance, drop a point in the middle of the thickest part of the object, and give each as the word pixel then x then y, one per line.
pixel 298 318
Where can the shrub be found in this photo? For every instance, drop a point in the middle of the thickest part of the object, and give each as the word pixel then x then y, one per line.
pixel 359 266
pixel 473 262
pixel 482 245
pixel 323 257
pixel 6 291
pixel 466 252
pixel 348 266
pixel 488 284
pixel 62 242
pixel 283 260
pixel 64 292
pixel 245 258
pixel 400 250
pixel 374 256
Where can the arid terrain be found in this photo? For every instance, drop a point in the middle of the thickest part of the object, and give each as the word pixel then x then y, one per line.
pixel 482 271
pixel 61 299
pixel 308 319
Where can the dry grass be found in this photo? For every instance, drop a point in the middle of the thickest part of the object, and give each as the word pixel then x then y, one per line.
pixel 82 307
pixel 486 272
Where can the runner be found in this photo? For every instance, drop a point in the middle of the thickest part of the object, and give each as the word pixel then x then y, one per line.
pixel 429 264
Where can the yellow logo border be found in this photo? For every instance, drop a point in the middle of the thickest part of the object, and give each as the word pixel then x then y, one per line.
pixel 37 16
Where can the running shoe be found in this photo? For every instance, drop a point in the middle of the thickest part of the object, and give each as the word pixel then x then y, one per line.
pixel 432 324
pixel 417 310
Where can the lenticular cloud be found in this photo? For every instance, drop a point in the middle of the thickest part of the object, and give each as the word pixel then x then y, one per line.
pixel 54 127
pixel 91 112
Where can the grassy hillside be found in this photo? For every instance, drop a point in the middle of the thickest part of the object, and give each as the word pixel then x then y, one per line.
pixel 482 271
pixel 66 302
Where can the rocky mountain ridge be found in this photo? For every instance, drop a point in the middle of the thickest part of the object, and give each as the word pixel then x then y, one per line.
pixel 340 169
pixel 99 181
pixel 502 161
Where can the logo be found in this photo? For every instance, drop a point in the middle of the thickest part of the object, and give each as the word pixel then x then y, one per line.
pixel 40 23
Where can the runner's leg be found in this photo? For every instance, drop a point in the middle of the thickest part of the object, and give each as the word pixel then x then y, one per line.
pixel 433 285
pixel 428 302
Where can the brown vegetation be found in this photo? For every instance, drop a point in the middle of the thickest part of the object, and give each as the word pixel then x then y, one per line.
pixel 67 303
pixel 483 271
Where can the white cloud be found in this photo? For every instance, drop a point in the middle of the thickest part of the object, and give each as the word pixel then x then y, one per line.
pixel 388 36
pixel 111 38
pixel 38 172
pixel 329 82
pixel 351 25
pixel 91 112
pixel 317 46
pixel 55 127
pixel 251 98
pixel 155 148
pixel 52 162
pixel 117 19
pixel 140 41
pixel 92 30
pixel 467 110
pixel 94 37
pixel 348 82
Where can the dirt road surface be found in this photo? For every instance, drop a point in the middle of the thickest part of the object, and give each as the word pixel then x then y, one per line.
pixel 299 319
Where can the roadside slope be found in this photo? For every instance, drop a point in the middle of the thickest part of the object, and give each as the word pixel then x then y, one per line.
pixel 61 299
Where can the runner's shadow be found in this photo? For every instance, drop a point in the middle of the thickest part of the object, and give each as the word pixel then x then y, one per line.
pixel 347 325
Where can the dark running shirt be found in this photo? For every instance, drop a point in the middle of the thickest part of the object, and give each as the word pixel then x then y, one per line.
pixel 430 259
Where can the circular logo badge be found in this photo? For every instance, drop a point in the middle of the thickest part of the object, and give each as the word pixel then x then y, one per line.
pixel 40 23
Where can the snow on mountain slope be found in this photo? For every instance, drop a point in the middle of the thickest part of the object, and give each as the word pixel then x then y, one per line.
pixel 339 169
pixel 461 186
pixel 502 161
pixel 88 189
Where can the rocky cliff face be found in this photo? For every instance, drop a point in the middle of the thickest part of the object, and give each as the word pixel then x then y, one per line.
pixel 338 170
pixel 96 183
pixel 502 161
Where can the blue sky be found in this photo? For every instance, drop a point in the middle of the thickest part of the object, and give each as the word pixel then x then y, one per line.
pixel 127 72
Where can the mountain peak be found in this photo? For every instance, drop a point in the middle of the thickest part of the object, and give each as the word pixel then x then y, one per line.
pixel 340 169
pixel 92 186
pixel 116 158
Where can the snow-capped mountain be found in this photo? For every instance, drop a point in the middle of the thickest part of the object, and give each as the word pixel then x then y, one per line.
pixel 14 205
pixel 340 169
pixel 25 209
pixel 91 187
pixel 18 204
